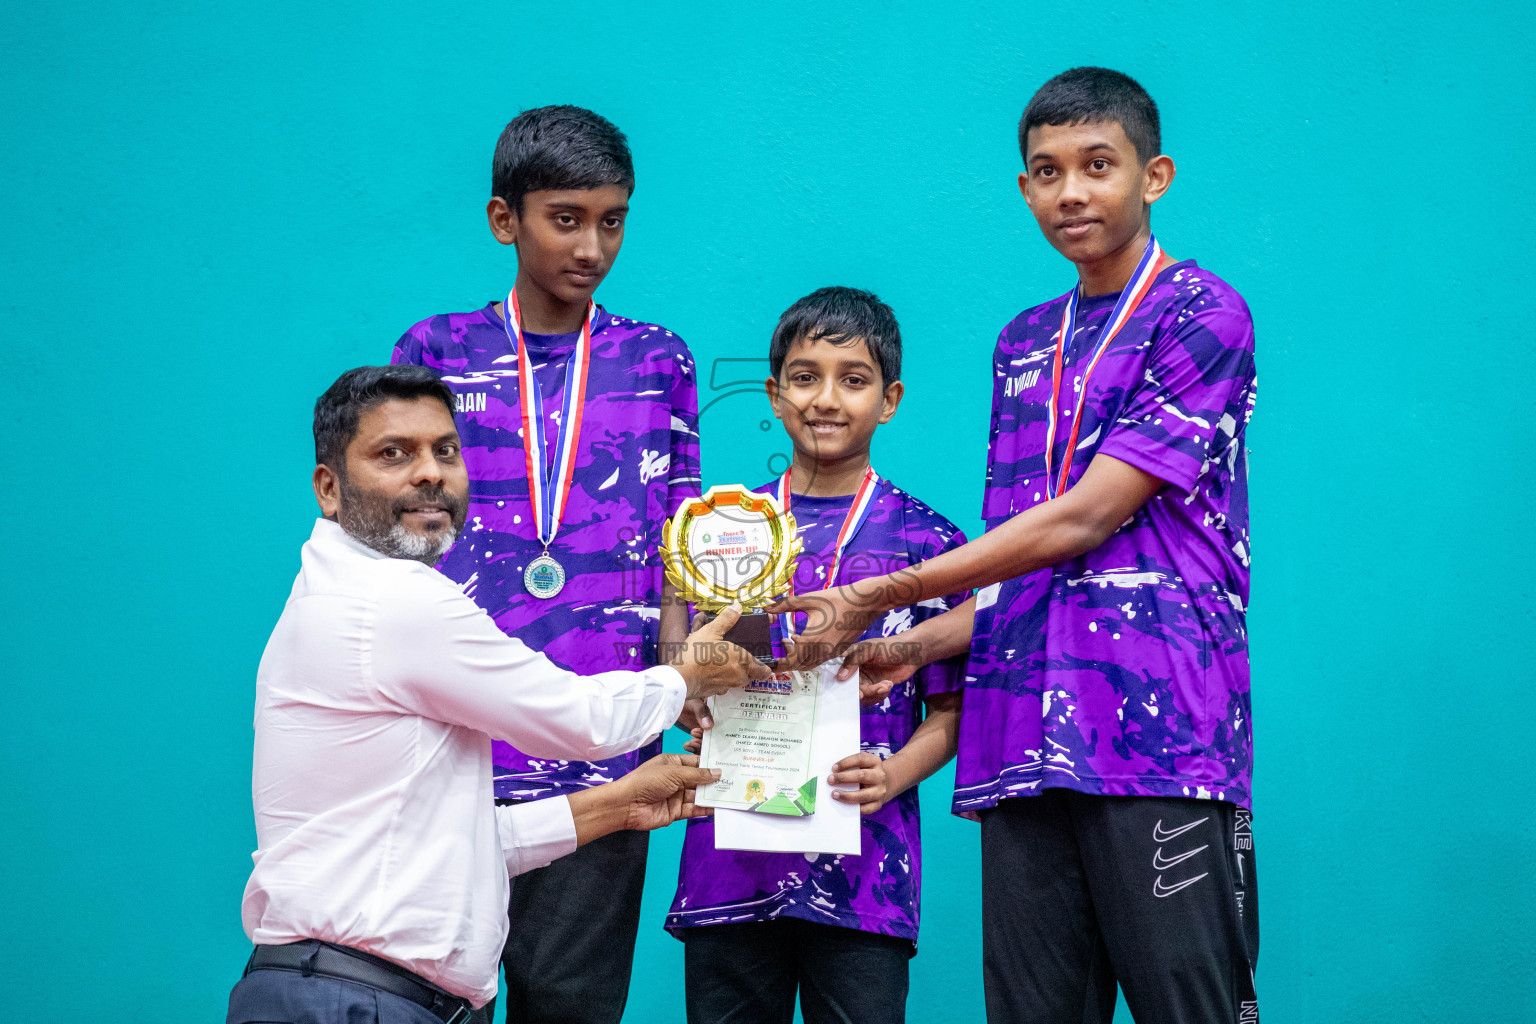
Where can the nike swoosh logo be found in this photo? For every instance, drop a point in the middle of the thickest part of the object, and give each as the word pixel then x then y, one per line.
pixel 1160 837
pixel 1159 864
pixel 1162 891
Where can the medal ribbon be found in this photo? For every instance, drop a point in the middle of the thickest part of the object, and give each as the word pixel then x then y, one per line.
pixel 1130 296
pixel 858 512
pixel 548 489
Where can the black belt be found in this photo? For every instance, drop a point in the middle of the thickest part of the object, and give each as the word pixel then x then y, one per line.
pixel 331 961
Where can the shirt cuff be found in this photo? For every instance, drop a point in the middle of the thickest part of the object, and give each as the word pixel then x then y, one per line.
pixel 676 690
pixel 535 832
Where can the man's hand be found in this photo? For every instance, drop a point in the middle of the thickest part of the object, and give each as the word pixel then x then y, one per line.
pixel 655 794
pixel 661 791
pixel 869 773
pixel 695 716
pixel 711 665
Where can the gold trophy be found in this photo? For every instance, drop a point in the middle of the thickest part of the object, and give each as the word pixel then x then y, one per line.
pixel 733 546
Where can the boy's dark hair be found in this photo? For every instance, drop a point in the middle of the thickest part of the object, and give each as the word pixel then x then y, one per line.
pixel 841 316
pixel 559 148
pixel 1095 94
pixel 338 411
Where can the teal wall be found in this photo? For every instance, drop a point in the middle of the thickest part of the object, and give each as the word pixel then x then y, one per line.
pixel 208 210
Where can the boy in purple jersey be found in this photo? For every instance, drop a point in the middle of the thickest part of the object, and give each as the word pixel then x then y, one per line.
pixel 840 930
pixel 582 583
pixel 1106 742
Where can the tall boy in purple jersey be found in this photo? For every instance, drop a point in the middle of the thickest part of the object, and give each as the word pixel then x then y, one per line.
pixel 839 929
pixel 1106 742
pixel 561 183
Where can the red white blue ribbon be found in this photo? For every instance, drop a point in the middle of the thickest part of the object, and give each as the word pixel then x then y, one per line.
pixel 858 512
pixel 1132 294
pixel 549 485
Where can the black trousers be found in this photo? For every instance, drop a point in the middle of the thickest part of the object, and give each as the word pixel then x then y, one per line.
pixel 1080 892
pixel 572 940
pixel 749 974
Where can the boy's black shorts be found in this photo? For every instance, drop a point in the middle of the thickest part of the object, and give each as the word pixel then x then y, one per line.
pixel 1080 892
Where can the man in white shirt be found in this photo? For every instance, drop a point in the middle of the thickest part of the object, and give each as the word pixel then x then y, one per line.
pixel 382 861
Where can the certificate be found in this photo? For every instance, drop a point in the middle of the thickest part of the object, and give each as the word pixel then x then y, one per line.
pixel 836 827
pixel 761 744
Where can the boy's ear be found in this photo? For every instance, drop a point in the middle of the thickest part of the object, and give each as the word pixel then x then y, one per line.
pixel 502 219
pixel 771 386
pixel 1156 177
pixel 890 400
pixel 1024 188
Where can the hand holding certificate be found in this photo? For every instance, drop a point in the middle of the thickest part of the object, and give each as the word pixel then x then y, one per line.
pixel 833 734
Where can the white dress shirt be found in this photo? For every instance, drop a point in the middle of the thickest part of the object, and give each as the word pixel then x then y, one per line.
pixel 376 701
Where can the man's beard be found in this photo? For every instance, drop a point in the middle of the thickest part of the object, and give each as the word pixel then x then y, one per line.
pixel 377 521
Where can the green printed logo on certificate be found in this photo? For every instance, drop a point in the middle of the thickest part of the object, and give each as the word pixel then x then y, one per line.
pixel 761 743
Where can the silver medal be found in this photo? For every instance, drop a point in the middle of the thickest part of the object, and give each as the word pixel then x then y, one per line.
pixel 544 577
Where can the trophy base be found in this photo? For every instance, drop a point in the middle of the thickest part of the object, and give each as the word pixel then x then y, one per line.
pixel 753 634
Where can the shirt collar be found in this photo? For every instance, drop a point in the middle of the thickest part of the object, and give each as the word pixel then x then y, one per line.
pixel 330 532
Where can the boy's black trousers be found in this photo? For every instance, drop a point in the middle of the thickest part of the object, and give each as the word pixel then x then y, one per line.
pixel 750 973
pixel 572 942
pixel 1080 892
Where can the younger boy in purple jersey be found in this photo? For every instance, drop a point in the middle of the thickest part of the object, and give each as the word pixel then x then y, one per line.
pixel 561 183
pixel 1106 741
pixel 759 927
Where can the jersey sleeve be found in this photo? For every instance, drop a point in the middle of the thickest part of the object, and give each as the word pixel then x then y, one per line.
pixel 1191 403
pixel 415 347
pixel 942 676
pixel 408 351
pixel 684 478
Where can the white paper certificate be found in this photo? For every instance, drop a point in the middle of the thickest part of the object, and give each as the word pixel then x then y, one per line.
pixel 835 827
pixel 761 744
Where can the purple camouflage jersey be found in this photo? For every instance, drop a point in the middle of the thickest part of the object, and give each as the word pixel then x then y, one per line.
pixel 638 459
pixel 878 890
pixel 1123 671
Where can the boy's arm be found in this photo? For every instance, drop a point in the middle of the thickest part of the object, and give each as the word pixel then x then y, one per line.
pixel 929 749
pixel 1192 405
pixel 1108 494
pixel 683 484
pixel 885 662
pixel 674 632
pixel 674 617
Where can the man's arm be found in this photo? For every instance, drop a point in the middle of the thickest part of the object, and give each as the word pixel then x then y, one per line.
pixel 657 793
pixel 1109 493
pixel 438 655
